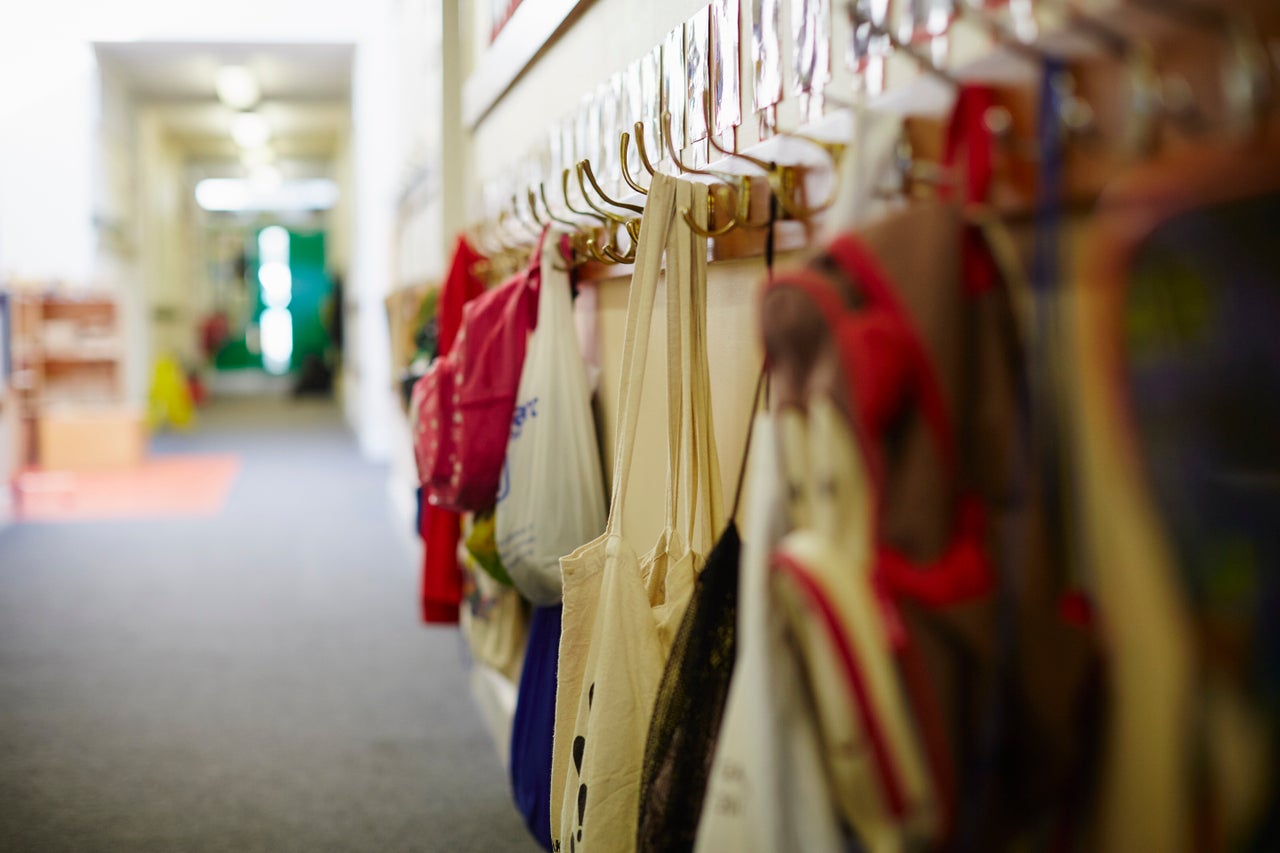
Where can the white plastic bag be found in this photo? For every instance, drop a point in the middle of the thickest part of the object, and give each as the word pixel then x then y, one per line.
pixel 551 499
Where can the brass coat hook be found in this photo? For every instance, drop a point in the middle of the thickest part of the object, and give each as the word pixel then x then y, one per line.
pixel 630 224
pixel 624 148
pixel 534 227
pixel 532 200
pixel 569 223
pixel 675 155
pixel 642 150
pixel 589 213
pixel 782 179
pixel 584 168
pixel 577 237
pixel 606 253
pixel 737 184
pixel 739 219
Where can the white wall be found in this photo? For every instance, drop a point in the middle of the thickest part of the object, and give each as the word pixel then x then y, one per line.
pixel 47 110
pixel 162 235
pixel 115 217
pixel 376 148
pixel 52 169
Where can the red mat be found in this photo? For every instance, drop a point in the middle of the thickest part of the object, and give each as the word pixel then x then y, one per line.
pixel 161 487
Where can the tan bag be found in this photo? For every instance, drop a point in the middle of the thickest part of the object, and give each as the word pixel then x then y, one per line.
pixel 622 610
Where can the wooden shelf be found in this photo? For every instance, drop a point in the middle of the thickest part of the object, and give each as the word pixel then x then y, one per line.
pixel 68 360
pixel 82 358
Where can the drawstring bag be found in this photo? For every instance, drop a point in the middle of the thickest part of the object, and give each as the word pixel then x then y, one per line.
pixel 692 694
pixel 533 726
pixel 467 397
pixel 767 789
pixel 1177 414
pixel 621 610
pixel 552 494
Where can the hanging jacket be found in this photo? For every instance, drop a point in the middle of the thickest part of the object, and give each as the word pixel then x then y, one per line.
pixel 439 529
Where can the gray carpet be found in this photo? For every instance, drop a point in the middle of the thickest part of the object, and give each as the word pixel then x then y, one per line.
pixel 254 682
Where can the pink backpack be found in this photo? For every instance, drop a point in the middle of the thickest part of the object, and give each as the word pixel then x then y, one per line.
pixel 464 403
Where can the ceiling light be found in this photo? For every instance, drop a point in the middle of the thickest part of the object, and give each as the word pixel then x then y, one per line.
pixel 236 87
pixel 254 157
pixel 250 130
pixel 239 194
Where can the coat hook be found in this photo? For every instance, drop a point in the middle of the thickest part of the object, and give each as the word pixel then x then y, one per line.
pixel 605 254
pixel 624 148
pixel 641 149
pixel 585 167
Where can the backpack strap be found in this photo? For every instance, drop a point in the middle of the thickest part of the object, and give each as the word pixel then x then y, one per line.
pixel 963 571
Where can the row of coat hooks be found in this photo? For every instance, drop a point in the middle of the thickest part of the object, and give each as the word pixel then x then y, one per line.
pixel 604 230
pixel 749 194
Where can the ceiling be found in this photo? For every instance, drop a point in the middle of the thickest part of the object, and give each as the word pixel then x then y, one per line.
pixel 299 129
pixel 184 71
pixel 306 91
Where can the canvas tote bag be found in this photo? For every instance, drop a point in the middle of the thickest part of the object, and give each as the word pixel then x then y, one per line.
pixel 621 610
pixel 767 789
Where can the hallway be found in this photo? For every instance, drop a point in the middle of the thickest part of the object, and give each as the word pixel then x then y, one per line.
pixel 253 681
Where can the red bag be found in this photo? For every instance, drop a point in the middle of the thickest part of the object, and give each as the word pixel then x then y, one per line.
pixel 466 399
pixel 441 576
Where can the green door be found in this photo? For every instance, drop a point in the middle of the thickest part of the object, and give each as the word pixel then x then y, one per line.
pixel 290 298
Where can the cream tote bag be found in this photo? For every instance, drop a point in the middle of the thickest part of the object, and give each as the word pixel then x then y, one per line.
pixel 768 788
pixel 621 610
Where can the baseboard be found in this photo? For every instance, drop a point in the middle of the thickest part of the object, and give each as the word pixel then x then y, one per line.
pixel 495 695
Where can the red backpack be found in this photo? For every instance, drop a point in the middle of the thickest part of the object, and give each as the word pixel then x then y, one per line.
pixel 464 403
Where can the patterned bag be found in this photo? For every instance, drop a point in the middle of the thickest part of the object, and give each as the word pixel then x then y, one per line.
pixel 466 399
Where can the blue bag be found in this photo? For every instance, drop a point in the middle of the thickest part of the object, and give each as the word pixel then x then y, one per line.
pixel 534 723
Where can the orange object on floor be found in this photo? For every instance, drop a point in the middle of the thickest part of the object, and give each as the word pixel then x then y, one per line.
pixel 186 486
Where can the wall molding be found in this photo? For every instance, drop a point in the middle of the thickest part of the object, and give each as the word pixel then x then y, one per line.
pixel 532 29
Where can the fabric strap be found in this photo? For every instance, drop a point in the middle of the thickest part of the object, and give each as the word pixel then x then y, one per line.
pixel 692 463
pixel 968 139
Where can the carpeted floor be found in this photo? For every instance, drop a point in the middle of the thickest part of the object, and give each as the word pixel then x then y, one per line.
pixel 253 681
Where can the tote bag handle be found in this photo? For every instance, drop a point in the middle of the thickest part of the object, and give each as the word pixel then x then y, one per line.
pixel 654 230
